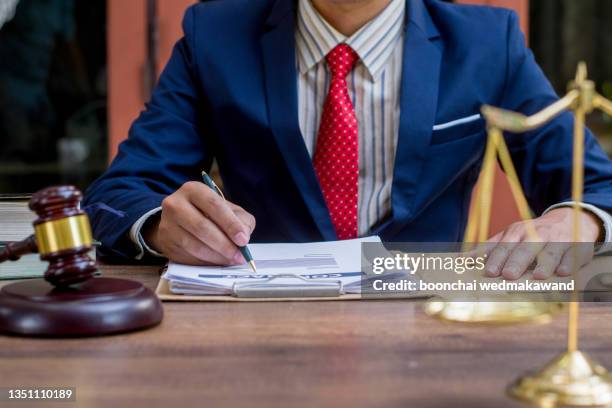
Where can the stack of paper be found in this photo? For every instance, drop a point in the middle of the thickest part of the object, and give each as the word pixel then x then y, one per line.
pixel 299 266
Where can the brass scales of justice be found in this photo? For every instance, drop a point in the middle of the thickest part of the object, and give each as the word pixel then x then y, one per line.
pixel 571 378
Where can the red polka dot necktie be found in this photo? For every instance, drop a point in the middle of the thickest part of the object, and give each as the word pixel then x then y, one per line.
pixel 336 157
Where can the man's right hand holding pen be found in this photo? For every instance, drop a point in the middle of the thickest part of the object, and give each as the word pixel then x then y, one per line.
pixel 199 227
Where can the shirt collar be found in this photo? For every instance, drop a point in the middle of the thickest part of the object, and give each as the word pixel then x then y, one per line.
pixel 374 42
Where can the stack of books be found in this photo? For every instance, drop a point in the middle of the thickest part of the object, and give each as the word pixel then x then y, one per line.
pixel 15 225
pixel 15 217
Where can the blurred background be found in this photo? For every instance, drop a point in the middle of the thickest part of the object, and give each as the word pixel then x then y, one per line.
pixel 75 73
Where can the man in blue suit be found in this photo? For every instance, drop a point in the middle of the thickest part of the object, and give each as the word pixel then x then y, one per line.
pixel 335 119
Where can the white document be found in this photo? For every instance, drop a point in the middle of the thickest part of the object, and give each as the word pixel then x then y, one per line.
pixel 316 263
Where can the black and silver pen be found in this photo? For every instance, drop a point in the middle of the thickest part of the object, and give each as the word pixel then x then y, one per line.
pixel 244 250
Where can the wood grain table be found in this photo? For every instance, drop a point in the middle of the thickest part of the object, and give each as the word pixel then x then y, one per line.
pixel 384 353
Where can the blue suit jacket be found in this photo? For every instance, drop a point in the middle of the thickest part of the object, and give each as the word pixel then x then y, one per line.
pixel 229 92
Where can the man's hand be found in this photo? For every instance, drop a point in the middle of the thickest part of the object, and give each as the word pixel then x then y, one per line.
pixel 198 227
pixel 510 255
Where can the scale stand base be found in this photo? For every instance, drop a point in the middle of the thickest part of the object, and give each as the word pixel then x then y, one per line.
pixel 505 312
pixel 96 307
pixel 571 379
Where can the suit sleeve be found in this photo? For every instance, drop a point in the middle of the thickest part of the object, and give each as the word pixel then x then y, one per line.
pixel 543 157
pixel 167 145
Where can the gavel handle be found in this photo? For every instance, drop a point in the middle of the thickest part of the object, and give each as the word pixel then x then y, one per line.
pixel 14 250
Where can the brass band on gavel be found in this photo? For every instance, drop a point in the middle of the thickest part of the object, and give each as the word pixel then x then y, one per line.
pixel 62 234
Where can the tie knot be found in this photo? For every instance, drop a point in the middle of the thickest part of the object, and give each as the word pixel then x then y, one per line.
pixel 341 60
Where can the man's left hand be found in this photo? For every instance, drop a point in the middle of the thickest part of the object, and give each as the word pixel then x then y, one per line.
pixel 510 256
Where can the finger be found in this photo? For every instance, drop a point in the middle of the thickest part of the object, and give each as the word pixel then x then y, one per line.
pixel 498 256
pixel 521 257
pixel 582 252
pixel 549 259
pixel 207 232
pixel 188 249
pixel 246 218
pixel 219 212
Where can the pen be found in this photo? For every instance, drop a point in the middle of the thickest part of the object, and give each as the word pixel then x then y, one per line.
pixel 244 249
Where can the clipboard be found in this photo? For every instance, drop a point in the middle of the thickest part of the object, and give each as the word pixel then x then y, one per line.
pixel 163 292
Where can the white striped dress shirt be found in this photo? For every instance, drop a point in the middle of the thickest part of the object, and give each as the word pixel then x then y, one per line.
pixel 373 87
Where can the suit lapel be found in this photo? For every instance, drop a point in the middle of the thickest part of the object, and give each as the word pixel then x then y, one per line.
pixel 418 102
pixel 278 48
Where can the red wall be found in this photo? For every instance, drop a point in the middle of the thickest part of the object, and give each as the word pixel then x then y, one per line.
pixel 126 42
pixel 520 6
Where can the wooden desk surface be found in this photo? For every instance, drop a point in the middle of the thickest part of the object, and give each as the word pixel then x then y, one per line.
pixel 359 353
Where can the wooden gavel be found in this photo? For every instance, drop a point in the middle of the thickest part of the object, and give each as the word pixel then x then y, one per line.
pixel 62 236
pixel 68 302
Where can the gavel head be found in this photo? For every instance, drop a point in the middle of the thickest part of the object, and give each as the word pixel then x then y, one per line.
pixel 63 235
